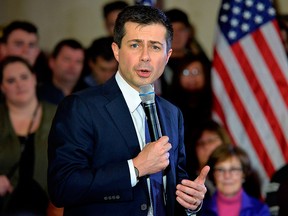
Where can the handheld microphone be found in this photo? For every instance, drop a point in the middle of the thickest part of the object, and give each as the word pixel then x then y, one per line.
pixel 147 96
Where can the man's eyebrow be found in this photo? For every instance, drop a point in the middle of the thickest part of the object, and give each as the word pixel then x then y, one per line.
pixel 150 41
pixel 135 40
pixel 156 42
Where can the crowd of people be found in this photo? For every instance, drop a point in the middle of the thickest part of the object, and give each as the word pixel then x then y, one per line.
pixel 36 88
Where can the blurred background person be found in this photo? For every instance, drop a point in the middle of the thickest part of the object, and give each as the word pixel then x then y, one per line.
pixel 230 166
pixel 191 91
pixel 202 142
pixel 199 146
pixel 25 124
pixel 110 13
pixel 20 38
pixel 66 63
pixel 101 61
pixel 183 34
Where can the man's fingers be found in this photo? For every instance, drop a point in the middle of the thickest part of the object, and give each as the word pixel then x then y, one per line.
pixel 164 139
pixel 202 176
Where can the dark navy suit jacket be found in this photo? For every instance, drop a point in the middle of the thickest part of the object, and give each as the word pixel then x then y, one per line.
pixel 90 141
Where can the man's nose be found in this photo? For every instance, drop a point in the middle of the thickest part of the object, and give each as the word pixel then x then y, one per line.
pixel 145 56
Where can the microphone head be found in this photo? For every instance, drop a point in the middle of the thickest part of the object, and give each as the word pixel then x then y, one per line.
pixel 147 94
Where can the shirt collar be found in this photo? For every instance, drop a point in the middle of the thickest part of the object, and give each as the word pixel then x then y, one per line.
pixel 131 96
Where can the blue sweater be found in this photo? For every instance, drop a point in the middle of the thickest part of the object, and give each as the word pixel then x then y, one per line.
pixel 250 206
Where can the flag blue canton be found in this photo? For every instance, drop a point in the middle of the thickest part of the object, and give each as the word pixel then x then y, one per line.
pixel 145 2
pixel 241 17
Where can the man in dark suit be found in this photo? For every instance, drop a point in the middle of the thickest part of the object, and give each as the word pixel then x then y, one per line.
pixel 99 161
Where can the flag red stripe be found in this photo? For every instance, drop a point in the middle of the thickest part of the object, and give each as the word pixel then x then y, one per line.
pixel 260 95
pixel 244 117
pixel 271 62
pixel 219 111
pixel 217 108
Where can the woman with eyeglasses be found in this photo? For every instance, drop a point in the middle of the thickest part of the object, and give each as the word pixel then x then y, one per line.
pixel 191 91
pixel 230 166
pixel 208 136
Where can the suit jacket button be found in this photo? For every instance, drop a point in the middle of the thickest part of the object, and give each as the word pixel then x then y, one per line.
pixel 109 197
pixel 143 207
pixel 117 197
pixel 105 198
pixel 113 197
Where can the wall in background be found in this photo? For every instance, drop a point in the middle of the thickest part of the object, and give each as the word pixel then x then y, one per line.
pixel 58 19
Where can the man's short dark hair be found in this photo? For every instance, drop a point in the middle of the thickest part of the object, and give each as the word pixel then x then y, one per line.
pixel 23 25
pixel 116 5
pixel 72 43
pixel 143 15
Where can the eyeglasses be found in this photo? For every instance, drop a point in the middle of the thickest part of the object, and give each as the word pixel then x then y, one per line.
pixel 193 72
pixel 232 171
pixel 209 140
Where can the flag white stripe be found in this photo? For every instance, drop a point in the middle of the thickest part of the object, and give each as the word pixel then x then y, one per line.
pixel 245 93
pixel 253 85
pixel 242 86
pixel 236 127
pixel 270 34
pixel 268 85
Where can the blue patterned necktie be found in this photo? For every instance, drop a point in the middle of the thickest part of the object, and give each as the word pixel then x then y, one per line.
pixel 156 185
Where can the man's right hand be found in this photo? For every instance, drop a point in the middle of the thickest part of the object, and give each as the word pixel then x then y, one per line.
pixel 154 157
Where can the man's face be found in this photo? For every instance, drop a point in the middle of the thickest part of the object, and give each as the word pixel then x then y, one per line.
pixel 102 69
pixel 143 54
pixel 68 65
pixel 23 44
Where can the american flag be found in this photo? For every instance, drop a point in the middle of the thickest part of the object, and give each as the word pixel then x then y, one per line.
pixel 250 82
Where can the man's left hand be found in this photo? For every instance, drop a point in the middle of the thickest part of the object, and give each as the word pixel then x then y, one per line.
pixel 190 194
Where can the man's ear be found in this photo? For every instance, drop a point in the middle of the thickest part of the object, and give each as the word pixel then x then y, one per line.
pixel 168 55
pixel 115 49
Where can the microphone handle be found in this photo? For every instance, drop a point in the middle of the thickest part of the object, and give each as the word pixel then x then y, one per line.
pixel 153 121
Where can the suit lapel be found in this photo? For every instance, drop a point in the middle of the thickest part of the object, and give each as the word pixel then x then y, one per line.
pixel 121 116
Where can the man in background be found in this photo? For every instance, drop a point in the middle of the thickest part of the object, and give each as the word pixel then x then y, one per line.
pixel 101 62
pixel 20 38
pixel 66 63
pixel 110 13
